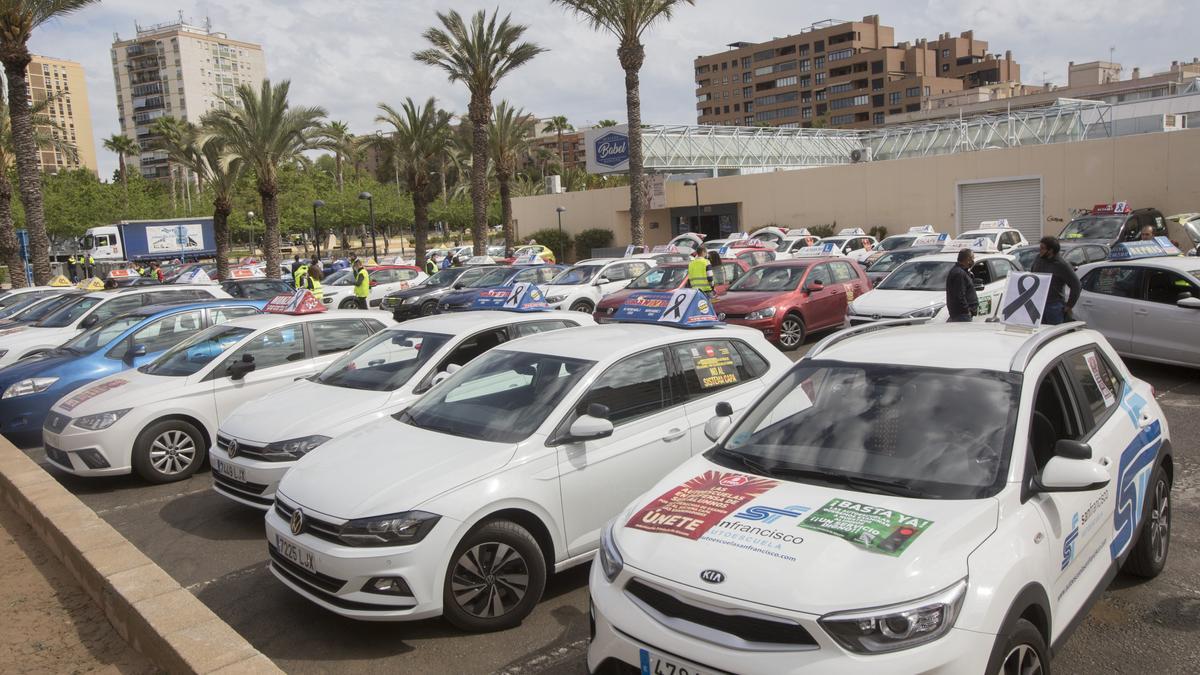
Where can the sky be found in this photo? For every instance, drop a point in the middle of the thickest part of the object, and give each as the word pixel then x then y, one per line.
pixel 350 55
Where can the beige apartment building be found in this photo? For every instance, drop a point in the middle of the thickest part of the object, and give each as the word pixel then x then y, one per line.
pixel 847 74
pixel 64 83
pixel 176 69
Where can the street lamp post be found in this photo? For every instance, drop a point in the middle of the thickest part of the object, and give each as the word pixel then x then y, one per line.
pixel 371 208
pixel 316 231
pixel 250 236
pixel 560 210
pixel 696 185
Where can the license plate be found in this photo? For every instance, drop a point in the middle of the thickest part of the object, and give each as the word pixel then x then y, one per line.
pixel 230 470
pixel 656 664
pixel 296 553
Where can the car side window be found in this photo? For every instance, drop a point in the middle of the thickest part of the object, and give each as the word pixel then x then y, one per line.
pixel 167 331
pixel 843 272
pixel 820 273
pixel 999 268
pixel 1097 379
pixel 1054 416
pixel 637 386
pixel 726 273
pixel 708 366
pixel 1096 253
pixel 526 276
pixel 1116 280
pixel 331 337
pixel 613 273
pixel 545 274
pixel 474 346
pixel 383 276
pixel 981 273
pixel 534 327
pixel 219 315
pixel 273 348
pixel 1167 287
pixel 118 306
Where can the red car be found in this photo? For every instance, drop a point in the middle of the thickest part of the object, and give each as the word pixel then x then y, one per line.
pixel 752 252
pixel 788 299
pixel 668 277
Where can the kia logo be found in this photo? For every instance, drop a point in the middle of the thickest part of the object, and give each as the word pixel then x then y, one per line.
pixel 712 576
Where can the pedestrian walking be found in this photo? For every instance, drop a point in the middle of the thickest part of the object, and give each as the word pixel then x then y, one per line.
pixel 961 299
pixel 1059 303
pixel 362 284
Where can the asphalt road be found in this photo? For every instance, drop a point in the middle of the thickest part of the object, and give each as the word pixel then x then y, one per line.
pixel 216 550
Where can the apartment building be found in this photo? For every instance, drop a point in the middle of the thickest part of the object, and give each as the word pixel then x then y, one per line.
pixel 63 83
pixel 848 74
pixel 177 69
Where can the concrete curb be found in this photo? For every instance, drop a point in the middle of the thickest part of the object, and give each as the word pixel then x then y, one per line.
pixel 148 608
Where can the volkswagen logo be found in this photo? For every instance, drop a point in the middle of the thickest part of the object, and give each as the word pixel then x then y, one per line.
pixel 232 450
pixel 297 521
pixel 707 576
pixel 876 317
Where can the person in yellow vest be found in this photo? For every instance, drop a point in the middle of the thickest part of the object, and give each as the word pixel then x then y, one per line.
pixel 299 271
pixel 73 268
pixel 89 265
pixel 431 267
pixel 312 281
pixel 362 284
pixel 141 270
pixel 700 276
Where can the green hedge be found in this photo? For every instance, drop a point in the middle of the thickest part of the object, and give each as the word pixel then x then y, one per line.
pixel 589 240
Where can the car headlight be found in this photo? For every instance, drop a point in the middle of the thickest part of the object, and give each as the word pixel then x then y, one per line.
pixel 896 627
pixel 555 299
pixel 32 385
pixel 286 451
pixel 392 530
pixel 925 312
pixel 100 421
pixel 610 558
pixel 405 301
pixel 761 314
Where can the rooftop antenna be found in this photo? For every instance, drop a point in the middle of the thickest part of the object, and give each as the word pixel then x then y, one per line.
pixel 1111 50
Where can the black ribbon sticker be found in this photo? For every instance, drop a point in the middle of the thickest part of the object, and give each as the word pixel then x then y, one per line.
pixel 1025 299
pixel 675 311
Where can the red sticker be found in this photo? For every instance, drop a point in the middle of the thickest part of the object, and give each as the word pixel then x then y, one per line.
pixel 693 508
pixel 90 393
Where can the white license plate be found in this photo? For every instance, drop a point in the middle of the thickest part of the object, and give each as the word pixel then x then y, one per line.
pixel 296 553
pixel 656 664
pixel 230 470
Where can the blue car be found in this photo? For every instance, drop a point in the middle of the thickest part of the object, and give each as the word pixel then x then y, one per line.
pixel 30 387
pixel 497 277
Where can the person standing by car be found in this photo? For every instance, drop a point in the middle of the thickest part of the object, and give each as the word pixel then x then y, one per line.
pixel 961 299
pixel 312 281
pixel 431 266
pixel 89 264
pixel 700 275
pixel 1062 274
pixel 362 284
pixel 1147 233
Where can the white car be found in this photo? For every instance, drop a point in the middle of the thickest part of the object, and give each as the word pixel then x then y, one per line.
pixel 929 499
pixel 917 288
pixel 1002 236
pixel 462 504
pixel 159 420
pixel 86 310
pixel 896 242
pixel 256 446
pixel 580 287
pixel 384 280
pixel 852 243
pixel 17 299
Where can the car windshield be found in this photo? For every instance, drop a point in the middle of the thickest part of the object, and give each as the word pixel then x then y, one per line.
pixel 527 250
pixel 67 313
pixel 501 396
pixel 918 275
pixel 384 361
pixel 189 356
pixel 659 278
pixel 770 279
pixel 894 243
pixel 340 278
pixel 972 236
pixel 19 303
pixel 1026 256
pixel 10 299
pixel 574 276
pixel 890 261
pixel 42 307
pixel 493 277
pixel 1093 227
pixel 101 334
pixel 915 431
pixel 446 277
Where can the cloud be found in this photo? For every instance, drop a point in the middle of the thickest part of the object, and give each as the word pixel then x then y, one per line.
pixel 348 56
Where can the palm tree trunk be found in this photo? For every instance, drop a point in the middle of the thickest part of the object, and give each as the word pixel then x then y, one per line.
pixel 174 190
pixel 221 210
pixel 10 250
pixel 269 192
pixel 124 184
pixel 504 177
pixel 480 111
pixel 420 225
pixel 337 160
pixel 632 56
pixel 29 177
pixel 562 156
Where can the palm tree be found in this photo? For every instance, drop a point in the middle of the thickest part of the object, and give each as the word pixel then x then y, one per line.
pixel 478 55
pixel 558 124
pixel 627 20
pixel 263 130
pixel 417 145
pixel 604 124
pixel 123 146
pixel 171 132
pixel 509 137
pixel 18 19
pixel 336 137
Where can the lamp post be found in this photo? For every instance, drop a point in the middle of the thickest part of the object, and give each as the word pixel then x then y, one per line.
pixel 317 232
pixel 250 236
pixel 696 185
pixel 560 210
pixel 371 208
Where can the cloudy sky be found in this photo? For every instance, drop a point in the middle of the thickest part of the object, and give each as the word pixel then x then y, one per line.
pixel 348 56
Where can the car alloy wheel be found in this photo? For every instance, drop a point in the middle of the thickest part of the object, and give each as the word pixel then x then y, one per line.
pixel 428 308
pixel 1160 521
pixel 172 452
pixel 1022 660
pixel 791 332
pixel 490 579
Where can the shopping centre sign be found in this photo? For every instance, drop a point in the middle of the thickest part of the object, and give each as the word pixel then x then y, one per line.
pixel 607 149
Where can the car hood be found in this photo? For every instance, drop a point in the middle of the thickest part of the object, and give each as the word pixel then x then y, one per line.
pixel 127 389
pixel 551 290
pixel 420 291
pixel 895 303
pixel 47 365
pixel 20 337
pixel 461 296
pixel 741 302
pixel 311 408
pixel 388 467
pixel 760 532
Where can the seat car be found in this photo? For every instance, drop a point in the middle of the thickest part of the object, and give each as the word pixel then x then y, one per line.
pixel 750 251
pixel 160 419
pixel 30 386
pixel 462 504
pixel 852 243
pixel 88 309
pixel 1075 253
pixel 256 288
pixel 788 299
pixel 580 287
pixel 462 299
pixel 1111 224
pixel 668 278
pixel 927 499
pixel 383 279
pixel 1000 235
pixel 917 288
pixel 1148 308
pixel 382 375
pixel 422 299
pixel 887 262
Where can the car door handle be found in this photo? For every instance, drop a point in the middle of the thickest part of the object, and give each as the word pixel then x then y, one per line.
pixel 1141 312
pixel 674 435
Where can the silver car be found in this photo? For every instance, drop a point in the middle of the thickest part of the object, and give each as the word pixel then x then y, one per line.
pixel 1147 308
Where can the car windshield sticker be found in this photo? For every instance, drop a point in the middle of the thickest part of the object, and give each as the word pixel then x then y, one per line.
pixel 90 393
pixel 872 527
pixel 1106 391
pixel 691 509
pixel 714 366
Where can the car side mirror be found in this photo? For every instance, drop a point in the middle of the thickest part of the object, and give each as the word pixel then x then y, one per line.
pixel 716 427
pixel 602 280
pixel 451 369
pixel 1189 302
pixel 979 285
pixel 134 352
pixel 592 426
pixel 814 285
pixel 238 369
pixel 458 285
pixel 89 321
pixel 1070 449
pixel 1066 474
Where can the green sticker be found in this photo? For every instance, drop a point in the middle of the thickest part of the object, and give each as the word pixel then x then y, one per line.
pixel 872 527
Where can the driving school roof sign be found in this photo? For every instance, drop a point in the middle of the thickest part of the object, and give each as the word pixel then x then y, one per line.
pixel 300 302
pixel 607 149
pixel 522 297
pixel 685 308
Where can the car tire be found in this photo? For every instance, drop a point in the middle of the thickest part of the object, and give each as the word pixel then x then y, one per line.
pixel 521 561
pixel 348 303
pixel 1149 554
pixel 429 308
pixel 1020 649
pixel 168 451
pixel 582 306
pixel 791 332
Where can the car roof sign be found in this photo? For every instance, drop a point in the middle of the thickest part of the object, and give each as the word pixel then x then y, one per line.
pixel 684 308
pixel 982 244
pixel 1133 250
pixel 300 302
pixel 480 260
pixel 522 297
pixel 246 273
pixel 1114 209
pixel 93 284
pixel 528 259
pixel 196 275
pixel 59 282
pixel 1168 246
pixel 665 248
pixel 851 232
pixel 798 232
pixel 931 240
pixel 994 224
pixel 820 250
pixel 121 274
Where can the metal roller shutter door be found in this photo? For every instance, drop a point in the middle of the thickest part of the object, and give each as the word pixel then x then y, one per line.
pixel 1018 200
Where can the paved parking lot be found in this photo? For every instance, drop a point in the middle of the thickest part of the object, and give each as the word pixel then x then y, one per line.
pixel 216 550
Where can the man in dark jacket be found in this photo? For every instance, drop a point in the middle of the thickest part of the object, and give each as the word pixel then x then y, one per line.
pixel 961 299
pixel 1058 309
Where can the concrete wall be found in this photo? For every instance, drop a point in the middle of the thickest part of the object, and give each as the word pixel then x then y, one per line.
pixel 1148 170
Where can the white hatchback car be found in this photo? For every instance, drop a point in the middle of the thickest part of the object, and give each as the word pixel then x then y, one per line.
pixel 852 243
pixel 999 233
pixel 384 280
pixel 580 287
pixel 933 499
pixel 917 288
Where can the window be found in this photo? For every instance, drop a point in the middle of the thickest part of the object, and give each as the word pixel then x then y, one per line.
pixel 806 113
pixel 331 337
pixel 1000 268
pixel 162 334
pixel 805 65
pixel 818 62
pixel 912 91
pixel 747 92
pixel 273 348
pixel 877 101
pixel 747 77
pixel 841 54
pixel 841 119
pixel 1054 417
pixel 219 315
pixel 473 347
pixel 843 272
pixel 819 46
pixel 1095 377
pixel 712 365
pixel 877 118
pixel 1166 287
pixel 820 78
pixel 945 67
pixel 945 53
pixel 820 273
pixel 806 81
pixel 841 88
pixel 1122 282
pixel 117 306
pixel 534 327
pixel 786 81
pixel 637 386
